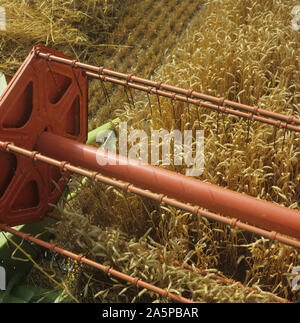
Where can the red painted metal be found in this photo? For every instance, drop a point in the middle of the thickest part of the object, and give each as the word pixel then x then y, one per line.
pixel 219 106
pixel 199 99
pixel 189 190
pixel 41 96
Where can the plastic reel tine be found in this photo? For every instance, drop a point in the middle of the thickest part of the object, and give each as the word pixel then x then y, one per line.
pixel 149 100
pixel 158 101
pixel 220 103
pixel 198 114
pixel 105 91
pixel 188 96
pixel 131 97
pixel 285 129
pixel 125 91
pixel 283 141
pixel 173 106
pixel 274 138
pixel 129 90
pixel 75 76
pixel 188 108
pixel 102 79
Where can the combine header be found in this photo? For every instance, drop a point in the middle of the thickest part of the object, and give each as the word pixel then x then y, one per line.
pixel 43 131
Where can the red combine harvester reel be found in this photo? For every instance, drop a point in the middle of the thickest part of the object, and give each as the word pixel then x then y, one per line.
pixel 43 130
pixel 39 99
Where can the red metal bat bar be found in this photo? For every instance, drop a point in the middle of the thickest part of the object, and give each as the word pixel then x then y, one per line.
pixel 175 93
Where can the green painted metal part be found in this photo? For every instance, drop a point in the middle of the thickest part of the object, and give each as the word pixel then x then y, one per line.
pixel 92 140
pixel 92 135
